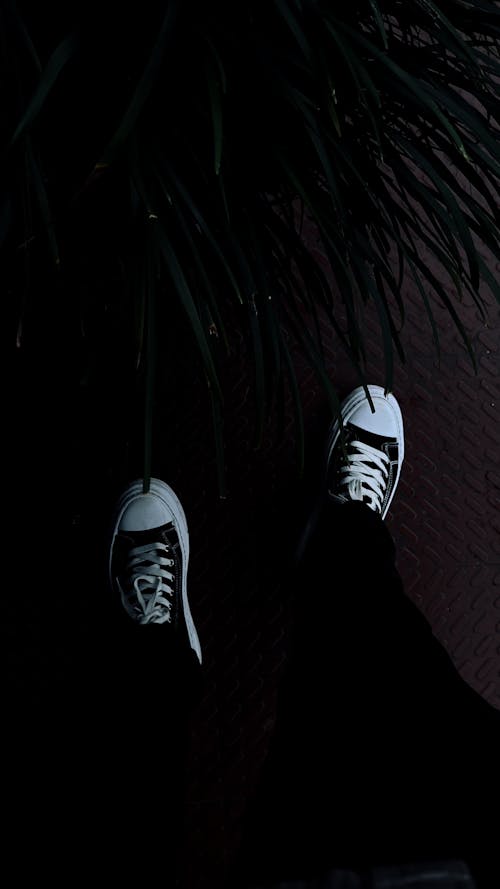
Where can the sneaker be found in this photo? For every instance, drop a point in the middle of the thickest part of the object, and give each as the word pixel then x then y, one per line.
pixel 366 455
pixel 149 556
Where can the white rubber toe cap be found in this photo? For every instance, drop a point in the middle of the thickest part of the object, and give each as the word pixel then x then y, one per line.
pixel 143 513
pixel 385 420
pixel 382 422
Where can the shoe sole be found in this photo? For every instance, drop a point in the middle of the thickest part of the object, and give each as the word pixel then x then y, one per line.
pixel 349 407
pixel 170 499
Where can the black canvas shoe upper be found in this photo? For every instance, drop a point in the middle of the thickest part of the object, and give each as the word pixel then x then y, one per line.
pixel 148 569
pixel 354 473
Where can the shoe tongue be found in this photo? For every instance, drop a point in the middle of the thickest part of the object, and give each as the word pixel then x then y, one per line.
pixel 369 438
pixel 150 535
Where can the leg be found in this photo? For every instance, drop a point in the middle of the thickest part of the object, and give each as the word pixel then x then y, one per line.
pixel 96 773
pixel 160 647
pixel 378 739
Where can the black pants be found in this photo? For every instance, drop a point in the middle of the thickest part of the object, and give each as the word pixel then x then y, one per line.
pixel 382 755
pixel 95 727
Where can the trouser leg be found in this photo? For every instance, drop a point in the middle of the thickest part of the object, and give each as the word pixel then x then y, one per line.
pixel 96 772
pixel 382 753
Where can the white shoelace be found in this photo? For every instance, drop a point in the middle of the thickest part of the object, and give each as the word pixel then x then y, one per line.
pixel 365 475
pixel 150 582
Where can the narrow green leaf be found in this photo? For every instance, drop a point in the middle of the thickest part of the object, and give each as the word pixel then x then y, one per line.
pixel 43 202
pixel 329 93
pixel 179 281
pixel 460 220
pixel 205 228
pixel 145 84
pixel 489 278
pixel 260 380
pixel 364 84
pixel 477 180
pixel 409 220
pixel 348 288
pixel 149 302
pixel 218 433
pixel 24 35
pixel 310 124
pixel 303 336
pixel 223 195
pixel 464 113
pixel 271 326
pixel 262 246
pixel 427 305
pixel 411 87
pixel 5 217
pixel 59 58
pixel 386 271
pixel 342 46
pixel 447 303
pixel 387 330
pixel 379 20
pixel 294 26
pixel 187 227
pixel 450 204
pixel 297 404
pixel 217 119
pixel 218 62
pixel 302 301
pixel 138 286
pixel 458 42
